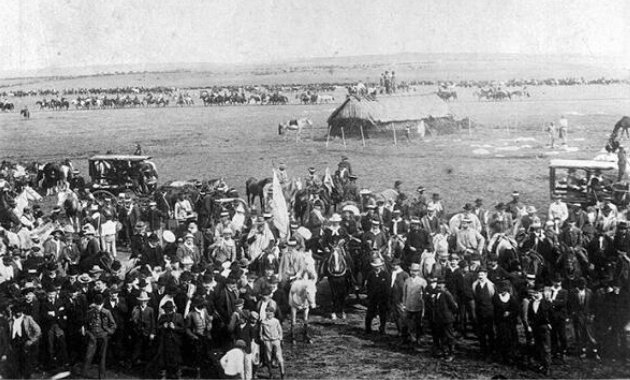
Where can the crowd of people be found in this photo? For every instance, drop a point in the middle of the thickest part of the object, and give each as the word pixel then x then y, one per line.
pixel 212 299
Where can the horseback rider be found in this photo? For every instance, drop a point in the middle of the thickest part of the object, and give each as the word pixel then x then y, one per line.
pixel 345 163
pixel 138 151
pixel 312 182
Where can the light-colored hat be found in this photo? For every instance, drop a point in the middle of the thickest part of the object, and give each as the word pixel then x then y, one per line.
pixel 240 208
pixel 530 209
pixel 187 260
pixel 96 269
pixel 93 207
pixel 431 207
pixel 84 278
pixel 414 267
pixel 377 262
pixel 168 236
pixel 227 230
pixel 336 218
pixel 143 297
pixel 189 236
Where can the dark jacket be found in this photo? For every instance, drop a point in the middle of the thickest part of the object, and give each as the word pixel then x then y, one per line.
pixel 444 308
pixel 378 285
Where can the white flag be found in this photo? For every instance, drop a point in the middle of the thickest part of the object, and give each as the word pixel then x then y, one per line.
pixel 328 181
pixel 279 208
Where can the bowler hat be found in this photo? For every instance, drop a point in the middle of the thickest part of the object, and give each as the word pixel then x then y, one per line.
pixel 168 305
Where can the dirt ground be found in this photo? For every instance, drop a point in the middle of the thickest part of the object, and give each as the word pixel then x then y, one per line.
pixel 507 153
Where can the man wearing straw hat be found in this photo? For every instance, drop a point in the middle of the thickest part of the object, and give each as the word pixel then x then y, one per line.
pixel 378 287
pixel 143 323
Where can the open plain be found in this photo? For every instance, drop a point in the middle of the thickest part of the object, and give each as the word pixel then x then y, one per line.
pixel 506 151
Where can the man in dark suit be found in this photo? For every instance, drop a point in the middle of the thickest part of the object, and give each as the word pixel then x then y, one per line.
pixel 559 298
pixel 53 317
pixel 399 276
pixel 117 306
pixel 418 240
pixel 444 311
pixel 398 226
pixel 99 327
pixel 539 317
pixel 378 292
pixel 483 291
pixel 581 305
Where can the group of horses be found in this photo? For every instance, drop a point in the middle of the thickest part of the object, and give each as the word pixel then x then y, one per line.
pixel 497 94
pixel 308 98
pixel 6 106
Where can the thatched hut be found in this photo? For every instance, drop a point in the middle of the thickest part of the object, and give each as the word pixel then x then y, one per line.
pixel 364 117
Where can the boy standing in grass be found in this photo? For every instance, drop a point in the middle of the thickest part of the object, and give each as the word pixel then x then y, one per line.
pixel 271 336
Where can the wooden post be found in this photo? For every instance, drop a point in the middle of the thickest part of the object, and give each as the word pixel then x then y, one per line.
pixel 394 129
pixel 362 135
pixel 343 137
pixel 469 131
pixel 328 137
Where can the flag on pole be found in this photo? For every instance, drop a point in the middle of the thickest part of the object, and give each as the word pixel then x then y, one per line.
pixel 279 208
pixel 328 181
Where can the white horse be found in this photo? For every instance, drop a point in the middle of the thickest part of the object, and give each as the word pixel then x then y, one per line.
pixel 302 298
pixel 21 200
pixel 325 99
pixel 294 125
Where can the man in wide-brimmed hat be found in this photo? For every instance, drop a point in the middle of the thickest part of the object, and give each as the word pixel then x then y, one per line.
pixel 90 242
pixel 143 325
pixel 468 239
pixel 189 249
pixel 378 287
pixel 455 224
pixel 54 244
pixel 198 330
pixel 374 238
pixel 170 336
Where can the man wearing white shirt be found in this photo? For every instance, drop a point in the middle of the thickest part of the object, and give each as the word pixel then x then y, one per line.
pixel 558 209
pixel 233 362
pixel 108 236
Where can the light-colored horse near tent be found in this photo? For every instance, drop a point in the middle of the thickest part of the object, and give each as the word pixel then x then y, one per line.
pixel 302 298
pixel 294 125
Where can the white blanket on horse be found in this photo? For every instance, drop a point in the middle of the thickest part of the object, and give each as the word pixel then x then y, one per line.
pixel 390 195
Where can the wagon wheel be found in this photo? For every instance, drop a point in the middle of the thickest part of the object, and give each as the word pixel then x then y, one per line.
pixel 100 196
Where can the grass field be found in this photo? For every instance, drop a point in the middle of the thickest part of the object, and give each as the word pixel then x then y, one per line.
pixel 237 142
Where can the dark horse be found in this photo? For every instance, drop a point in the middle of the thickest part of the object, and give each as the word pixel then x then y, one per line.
pixel 50 176
pixel 7 216
pixel 338 269
pixel 255 188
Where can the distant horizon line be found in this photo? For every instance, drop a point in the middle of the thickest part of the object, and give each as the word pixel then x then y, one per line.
pixel 174 66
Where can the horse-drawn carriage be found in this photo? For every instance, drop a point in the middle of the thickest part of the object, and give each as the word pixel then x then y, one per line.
pixel 586 182
pixel 111 175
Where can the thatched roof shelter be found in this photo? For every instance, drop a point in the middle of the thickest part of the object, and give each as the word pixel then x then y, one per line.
pixel 363 115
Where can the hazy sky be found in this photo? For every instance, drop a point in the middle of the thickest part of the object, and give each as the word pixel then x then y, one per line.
pixel 37 34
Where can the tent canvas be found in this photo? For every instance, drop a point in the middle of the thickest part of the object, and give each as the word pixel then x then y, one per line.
pixel 383 114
